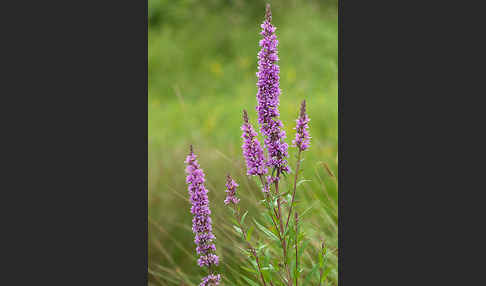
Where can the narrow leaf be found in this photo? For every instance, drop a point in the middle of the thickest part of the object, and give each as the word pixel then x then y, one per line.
pixel 243 218
pixel 238 230
pixel 302 181
pixel 248 234
pixel 266 231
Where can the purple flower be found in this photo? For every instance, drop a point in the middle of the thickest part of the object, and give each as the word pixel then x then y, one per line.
pixel 211 280
pixel 268 97
pixel 208 260
pixel 252 150
pixel 201 223
pixel 302 138
pixel 231 191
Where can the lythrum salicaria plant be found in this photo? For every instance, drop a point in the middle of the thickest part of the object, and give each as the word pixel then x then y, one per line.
pixel 201 223
pixel 276 254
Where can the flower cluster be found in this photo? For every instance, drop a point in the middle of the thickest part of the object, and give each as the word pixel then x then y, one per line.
pixel 252 150
pixel 302 138
pixel 201 223
pixel 231 191
pixel 211 280
pixel 268 97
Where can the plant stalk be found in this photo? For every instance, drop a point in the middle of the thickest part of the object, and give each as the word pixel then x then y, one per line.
pixel 284 245
pixel 280 231
pixel 296 248
pixel 295 187
pixel 252 249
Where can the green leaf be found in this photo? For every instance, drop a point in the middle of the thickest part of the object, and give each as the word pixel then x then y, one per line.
pixel 266 231
pixel 310 274
pixel 289 229
pixel 248 234
pixel 248 269
pixel 321 260
pixel 248 280
pixel 302 181
pixel 243 218
pixel 238 230
pixel 283 194
pixel 253 262
pixel 304 212
pixel 289 198
pixel 292 268
pixel 244 251
pixel 322 257
pixel 324 275
pixel 303 247
pixel 266 256
pixel 274 203
pixel 268 218
pixel 259 248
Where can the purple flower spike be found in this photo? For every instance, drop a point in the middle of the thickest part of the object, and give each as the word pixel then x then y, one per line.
pixel 268 97
pixel 211 280
pixel 302 138
pixel 252 150
pixel 231 191
pixel 201 223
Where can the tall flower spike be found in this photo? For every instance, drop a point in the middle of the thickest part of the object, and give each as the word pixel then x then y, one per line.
pixel 302 138
pixel 268 97
pixel 252 150
pixel 201 223
pixel 231 186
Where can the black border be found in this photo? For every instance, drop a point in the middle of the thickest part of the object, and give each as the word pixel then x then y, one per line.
pixel 77 174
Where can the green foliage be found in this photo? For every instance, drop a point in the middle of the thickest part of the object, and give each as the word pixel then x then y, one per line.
pixel 266 231
pixel 202 64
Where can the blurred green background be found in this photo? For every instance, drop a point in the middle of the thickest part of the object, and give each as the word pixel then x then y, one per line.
pixel 202 61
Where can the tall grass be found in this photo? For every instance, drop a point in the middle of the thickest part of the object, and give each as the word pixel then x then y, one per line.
pixel 201 76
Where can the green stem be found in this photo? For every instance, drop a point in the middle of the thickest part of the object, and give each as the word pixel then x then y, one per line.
pixel 295 188
pixel 296 247
pixel 280 231
pixel 284 244
pixel 321 270
pixel 252 249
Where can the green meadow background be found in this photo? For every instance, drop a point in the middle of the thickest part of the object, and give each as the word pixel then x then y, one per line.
pixel 202 61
